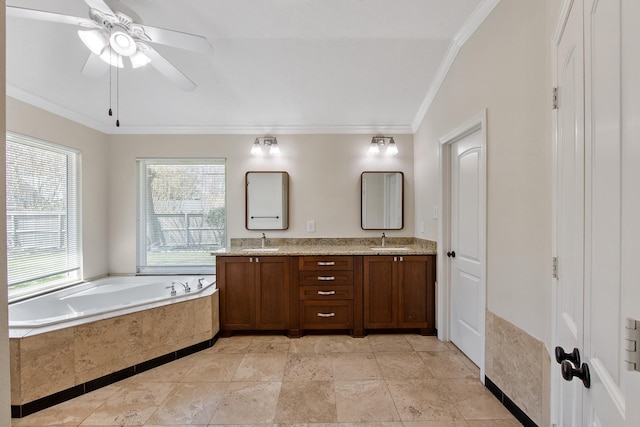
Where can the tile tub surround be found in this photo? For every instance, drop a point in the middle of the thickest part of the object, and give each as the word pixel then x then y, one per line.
pixel 519 365
pixel 47 363
pixel 309 383
pixel 330 246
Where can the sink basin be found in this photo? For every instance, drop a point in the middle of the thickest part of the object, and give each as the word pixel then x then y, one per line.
pixel 261 250
pixel 390 249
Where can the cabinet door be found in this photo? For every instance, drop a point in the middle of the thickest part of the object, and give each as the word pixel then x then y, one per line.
pixel 235 278
pixel 272 292
pixel 414 293
pixel 380 293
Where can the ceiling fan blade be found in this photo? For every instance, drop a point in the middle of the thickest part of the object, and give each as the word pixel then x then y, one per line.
pixel 168 69
pixel 94 66
pixel 101 6
pixel 178 39
pixel 42 15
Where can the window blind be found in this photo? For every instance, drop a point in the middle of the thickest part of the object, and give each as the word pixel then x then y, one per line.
pixel 43 235
pixel 182 211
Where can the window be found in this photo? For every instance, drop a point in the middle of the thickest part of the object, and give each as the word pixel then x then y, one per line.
pixel 182 215
pixel 43 222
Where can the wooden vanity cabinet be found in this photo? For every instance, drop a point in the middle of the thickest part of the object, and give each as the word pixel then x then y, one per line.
pixel 330 293
pixel 254 293
pixel 399 292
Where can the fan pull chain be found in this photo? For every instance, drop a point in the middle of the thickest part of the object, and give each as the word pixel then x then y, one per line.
pixel 118 97
pixel 110 74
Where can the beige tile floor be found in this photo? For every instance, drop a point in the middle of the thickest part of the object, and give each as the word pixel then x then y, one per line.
pixel 314 381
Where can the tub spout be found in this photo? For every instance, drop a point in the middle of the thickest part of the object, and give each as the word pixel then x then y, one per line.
pixel 186 287
pixel 200 280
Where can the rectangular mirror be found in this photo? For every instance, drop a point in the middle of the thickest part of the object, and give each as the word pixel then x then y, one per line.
pixel 267 200
pixel 382 200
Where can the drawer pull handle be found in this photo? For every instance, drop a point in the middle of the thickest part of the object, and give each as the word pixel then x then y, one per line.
pixel 326 292
pixel 326 263
pixel 326 314
pixel 326 278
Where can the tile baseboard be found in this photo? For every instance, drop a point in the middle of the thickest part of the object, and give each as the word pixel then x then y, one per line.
pixel 509 404
pixel 19 411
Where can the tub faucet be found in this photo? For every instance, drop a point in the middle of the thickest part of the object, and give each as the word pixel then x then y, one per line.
pixel 384 239
pixel 264 240
pixel 186 287
pixel 173 290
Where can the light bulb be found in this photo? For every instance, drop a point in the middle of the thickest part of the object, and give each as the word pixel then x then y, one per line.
pixel 256 149
pixel 373 147
pixel 392 149
pixel 275 149
pixel 95 40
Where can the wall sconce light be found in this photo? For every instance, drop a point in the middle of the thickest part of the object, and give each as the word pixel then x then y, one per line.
pixel 270 143
pixel 377 142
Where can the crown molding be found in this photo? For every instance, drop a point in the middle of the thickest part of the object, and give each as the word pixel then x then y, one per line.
pixel 53 108
pixel 252 130
pixel 61 111
pixel 470 26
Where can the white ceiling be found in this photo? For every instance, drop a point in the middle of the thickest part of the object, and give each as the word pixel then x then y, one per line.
pixel 287 66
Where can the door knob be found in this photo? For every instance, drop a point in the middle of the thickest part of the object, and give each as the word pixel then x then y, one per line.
pixel 573 357
pixel 568 372
pixel 451 254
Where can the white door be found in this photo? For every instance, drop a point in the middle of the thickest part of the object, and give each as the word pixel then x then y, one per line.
pixel 592 315
pixel 467 240
pixel 570 210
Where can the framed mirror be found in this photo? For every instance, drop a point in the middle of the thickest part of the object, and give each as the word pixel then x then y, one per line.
pixel 382 200
pixel 267 200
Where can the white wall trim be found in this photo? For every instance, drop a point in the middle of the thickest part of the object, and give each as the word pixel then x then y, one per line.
pixel 470 26
pixel 81 119
pixel 52 107
pixel 477 122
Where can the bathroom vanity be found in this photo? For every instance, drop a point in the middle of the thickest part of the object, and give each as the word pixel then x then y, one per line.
pixel 356 287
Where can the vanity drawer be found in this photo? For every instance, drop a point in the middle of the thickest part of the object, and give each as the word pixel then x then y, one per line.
pixel 325 277
pixel 325 263
pixel 326 293
pixel 326 315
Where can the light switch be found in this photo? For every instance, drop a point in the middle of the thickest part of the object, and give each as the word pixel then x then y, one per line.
pixel 311 226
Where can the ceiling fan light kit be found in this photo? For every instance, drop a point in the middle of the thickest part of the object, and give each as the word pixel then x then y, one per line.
pixel 112 35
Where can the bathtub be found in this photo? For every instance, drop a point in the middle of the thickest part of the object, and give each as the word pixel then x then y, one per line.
pixel 72 341
pixel 104 297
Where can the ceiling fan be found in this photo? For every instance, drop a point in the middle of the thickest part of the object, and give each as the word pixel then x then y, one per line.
pixel 112 36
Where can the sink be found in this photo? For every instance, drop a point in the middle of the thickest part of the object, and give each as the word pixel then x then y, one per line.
pixel 388 248
pixel 261 250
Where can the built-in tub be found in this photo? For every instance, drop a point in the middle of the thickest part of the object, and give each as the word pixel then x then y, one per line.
pixel 75 340
pixel 103 298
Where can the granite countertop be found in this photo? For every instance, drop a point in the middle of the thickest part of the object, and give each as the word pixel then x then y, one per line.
pixel 329 246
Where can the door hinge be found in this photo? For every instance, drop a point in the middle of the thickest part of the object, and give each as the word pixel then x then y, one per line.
pixel 632 336
pixel 554 98
pixel 554 267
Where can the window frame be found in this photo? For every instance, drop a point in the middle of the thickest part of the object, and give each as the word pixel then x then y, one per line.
pixel 141 218
pixel 73 213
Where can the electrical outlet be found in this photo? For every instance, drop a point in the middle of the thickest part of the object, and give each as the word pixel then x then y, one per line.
pixel 311 226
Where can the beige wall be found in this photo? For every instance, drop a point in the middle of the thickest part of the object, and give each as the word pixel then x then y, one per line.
pixel 324 173
pixel 504 68
pixel 28 120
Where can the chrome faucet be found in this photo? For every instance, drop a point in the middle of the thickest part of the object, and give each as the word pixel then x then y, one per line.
pixel 384 239
pixel 186 287
pixel 264 240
